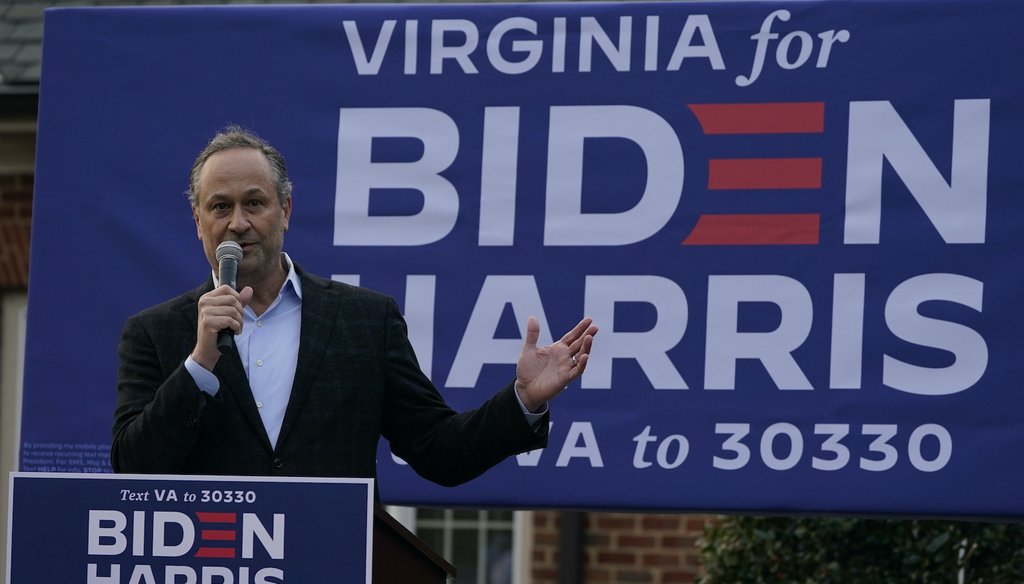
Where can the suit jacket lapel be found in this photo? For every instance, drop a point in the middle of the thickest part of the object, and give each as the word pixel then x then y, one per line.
pixel 319 325
pixel 231 373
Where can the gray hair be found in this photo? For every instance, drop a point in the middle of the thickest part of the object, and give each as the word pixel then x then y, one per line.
pixel 238 137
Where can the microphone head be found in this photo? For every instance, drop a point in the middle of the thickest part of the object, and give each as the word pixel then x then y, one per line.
pixel 229 249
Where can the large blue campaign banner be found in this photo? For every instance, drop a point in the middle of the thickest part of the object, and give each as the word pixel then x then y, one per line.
pixel 108 529
pixel 797 224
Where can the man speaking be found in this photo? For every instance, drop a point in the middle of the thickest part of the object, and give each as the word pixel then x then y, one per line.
pixel 319 371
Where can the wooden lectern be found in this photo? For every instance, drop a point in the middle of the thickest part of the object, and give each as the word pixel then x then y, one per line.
pixel 399 557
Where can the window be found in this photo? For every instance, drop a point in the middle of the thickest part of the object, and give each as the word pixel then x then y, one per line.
pixel 485 546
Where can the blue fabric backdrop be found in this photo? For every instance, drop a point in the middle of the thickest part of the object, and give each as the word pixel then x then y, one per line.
pixel 797 224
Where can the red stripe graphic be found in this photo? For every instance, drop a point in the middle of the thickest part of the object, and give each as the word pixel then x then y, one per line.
pixel 761 118
pixel 207 552
pixel 207 517
pixel 755 229
pixel 764 173
pixel 218 535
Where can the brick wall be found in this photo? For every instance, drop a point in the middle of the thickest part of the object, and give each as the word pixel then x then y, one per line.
pixel 15 222
pixel 624 547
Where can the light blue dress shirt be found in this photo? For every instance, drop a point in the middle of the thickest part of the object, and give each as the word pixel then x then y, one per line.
pixel 269 349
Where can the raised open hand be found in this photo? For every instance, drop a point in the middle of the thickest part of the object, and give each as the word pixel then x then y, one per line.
pixel 543 372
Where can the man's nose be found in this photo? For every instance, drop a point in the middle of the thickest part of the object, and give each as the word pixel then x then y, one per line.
pixel 239 222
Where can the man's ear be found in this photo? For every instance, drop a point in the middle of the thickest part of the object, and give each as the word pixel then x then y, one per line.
pixel 287 211
pixel 195 217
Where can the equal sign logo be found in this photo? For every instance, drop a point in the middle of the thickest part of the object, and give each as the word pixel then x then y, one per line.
pixel 760 174
pixel 220 530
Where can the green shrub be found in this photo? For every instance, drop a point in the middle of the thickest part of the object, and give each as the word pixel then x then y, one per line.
pixel 807 550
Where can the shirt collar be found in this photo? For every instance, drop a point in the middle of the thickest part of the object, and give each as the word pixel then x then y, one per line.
pixel 293 277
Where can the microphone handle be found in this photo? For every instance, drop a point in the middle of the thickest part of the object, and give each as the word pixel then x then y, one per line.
pixel 225 341
pixel 228 272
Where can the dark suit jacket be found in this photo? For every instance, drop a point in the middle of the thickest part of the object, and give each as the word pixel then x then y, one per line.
pixel 357 379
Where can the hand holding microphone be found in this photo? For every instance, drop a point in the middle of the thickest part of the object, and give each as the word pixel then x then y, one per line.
pixel 220 310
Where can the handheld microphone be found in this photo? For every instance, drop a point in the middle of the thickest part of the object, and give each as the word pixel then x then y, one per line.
pixel 228 255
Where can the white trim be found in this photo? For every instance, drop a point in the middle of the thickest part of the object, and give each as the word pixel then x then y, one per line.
pixel 404 515
pixel 522 547
pixel 13 319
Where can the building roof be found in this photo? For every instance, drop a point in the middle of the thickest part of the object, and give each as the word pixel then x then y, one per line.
pixel 21 33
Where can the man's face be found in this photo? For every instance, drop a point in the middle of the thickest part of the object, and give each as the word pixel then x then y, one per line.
pixel 238 201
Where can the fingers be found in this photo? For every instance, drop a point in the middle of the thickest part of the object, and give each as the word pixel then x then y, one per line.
pixel 245 295
pixel 581 338
pixel 221 309
pixel 581 354
pixel 571 353
pixel 532 333
pixel 584 349
pixel 578 331
pixel 579 341
pixel 586 340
